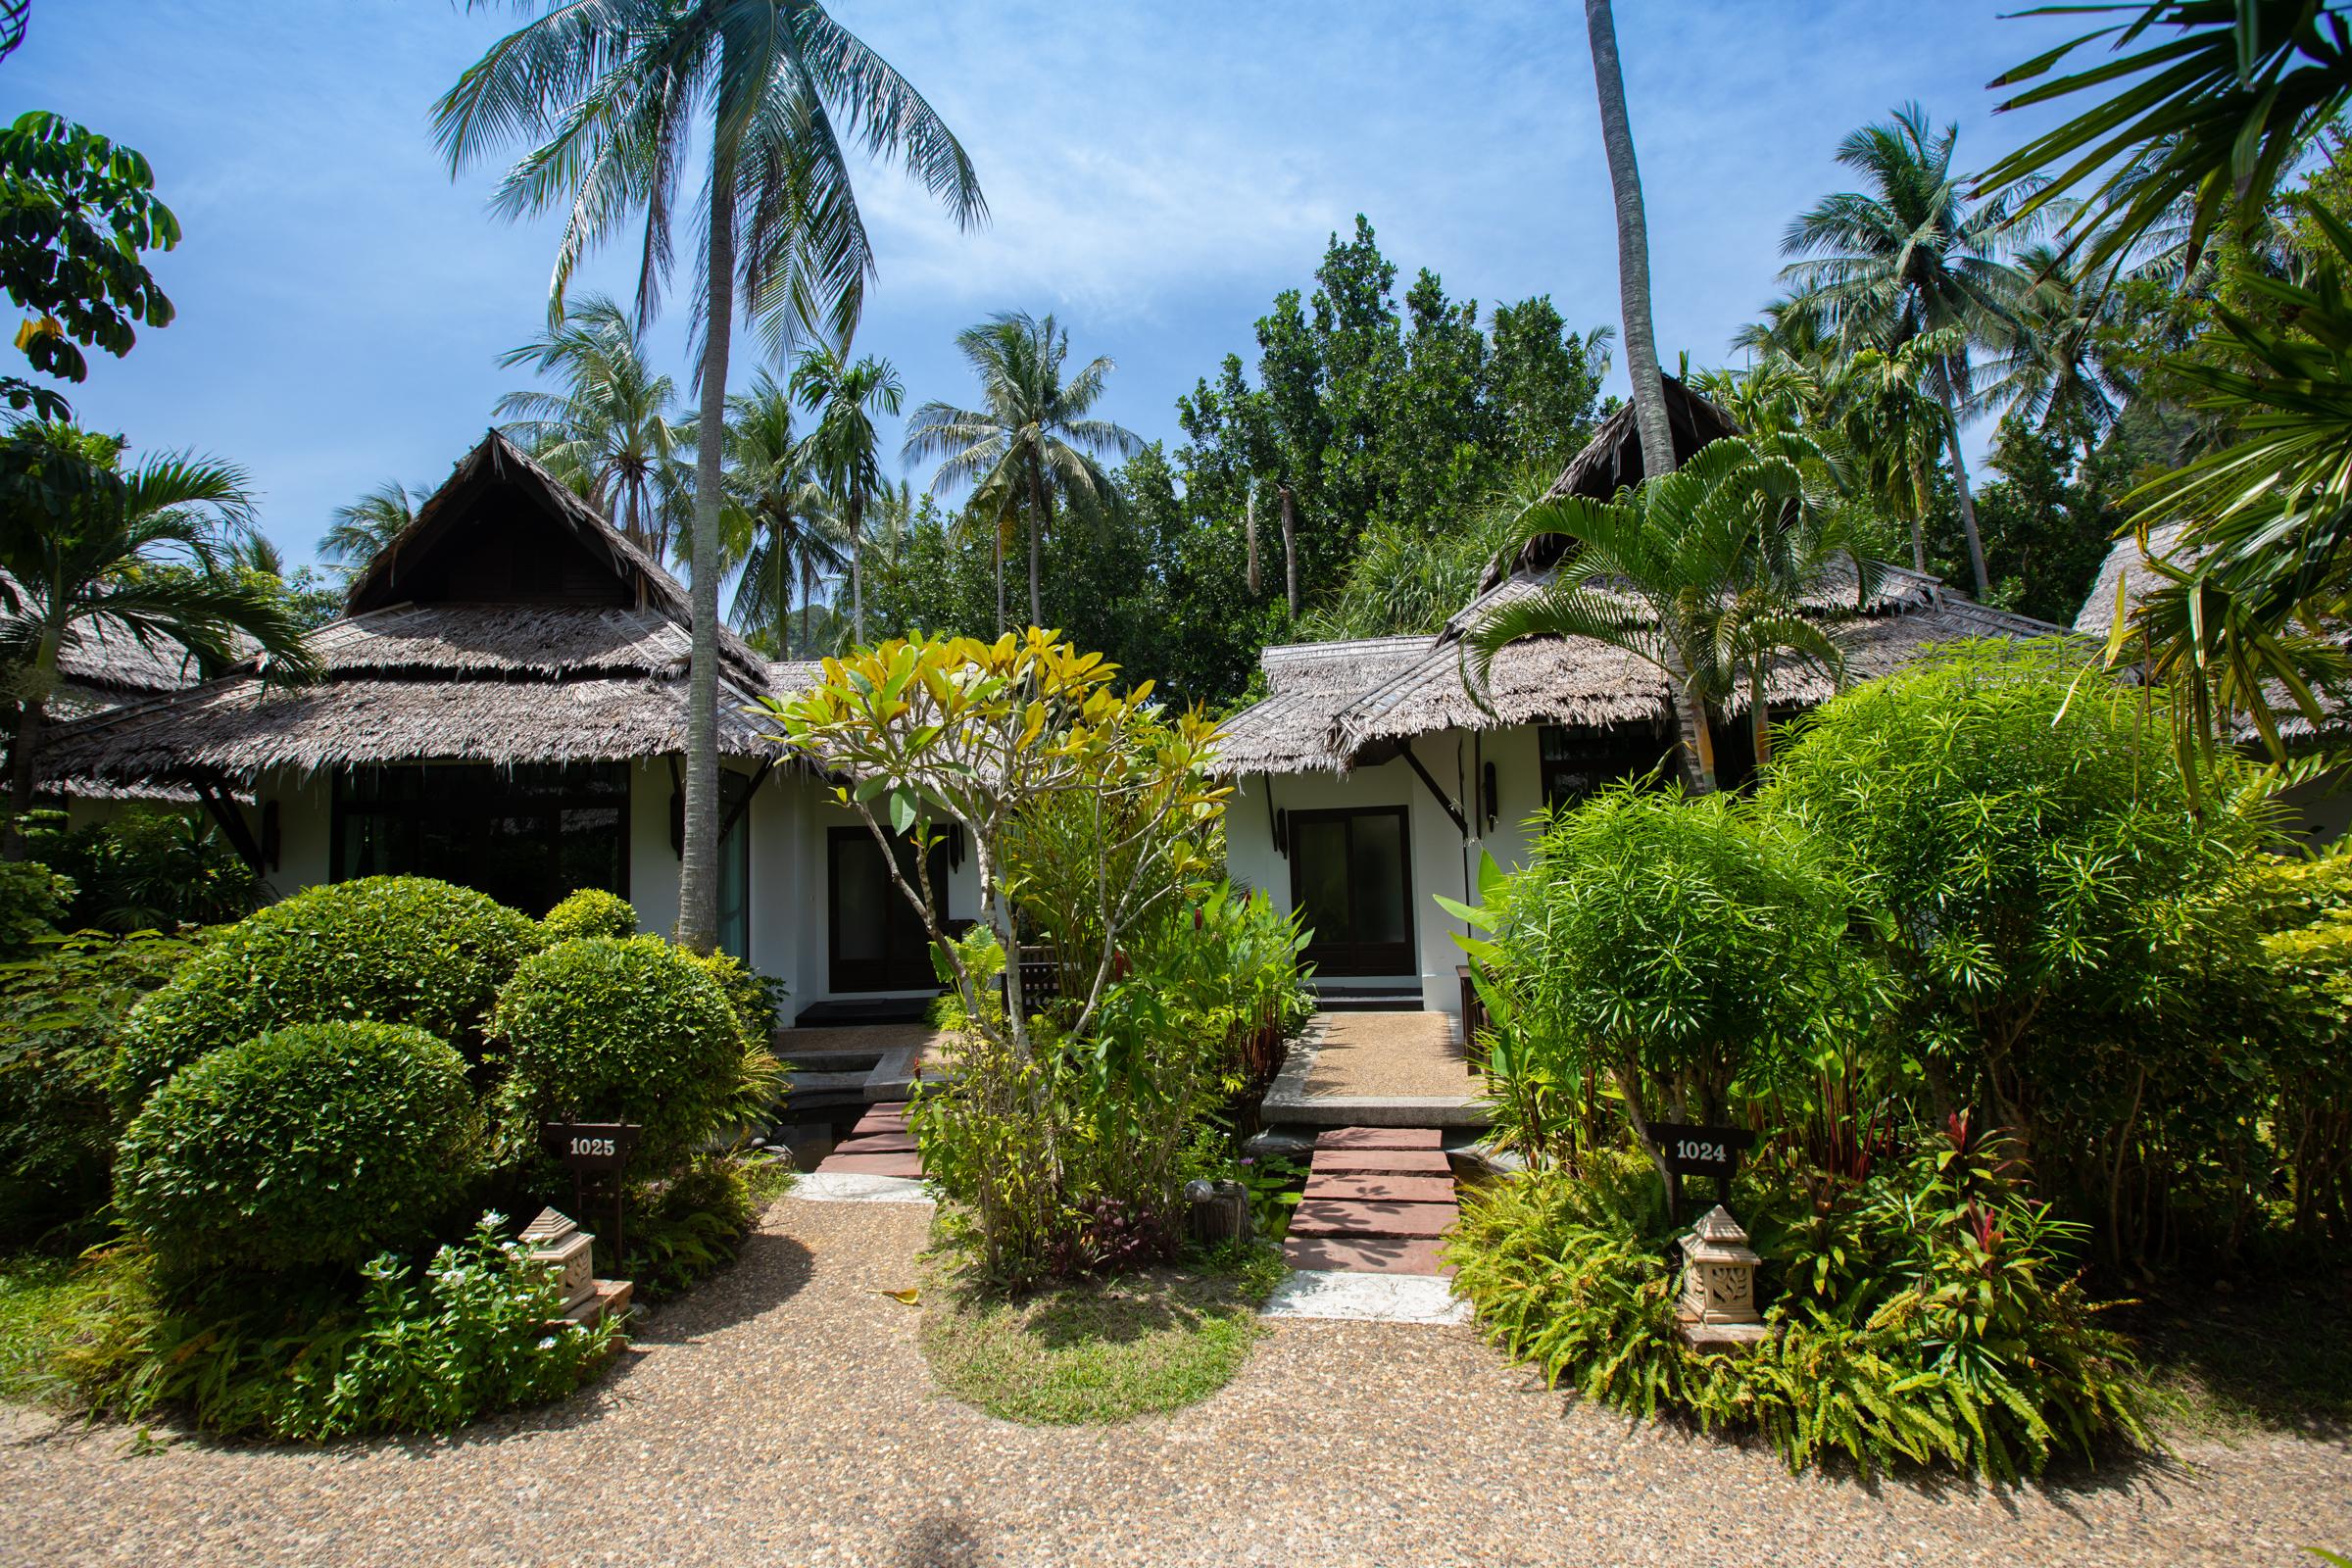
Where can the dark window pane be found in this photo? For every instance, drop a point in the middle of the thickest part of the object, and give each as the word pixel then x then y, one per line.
pixel 1376 867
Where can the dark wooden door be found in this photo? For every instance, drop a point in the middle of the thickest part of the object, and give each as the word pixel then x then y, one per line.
pixel 1352 877
pixel 877 940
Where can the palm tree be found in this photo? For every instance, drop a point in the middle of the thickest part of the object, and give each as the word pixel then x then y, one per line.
pixel 780 523
pixel 1031 438
pixel 143 551
pixel 1705 573
pixel 362 527
pixel 843 448
pixel 1632 245
pixel 611 432
pixel 1907 257
pixel 611 93
pixel 2052 372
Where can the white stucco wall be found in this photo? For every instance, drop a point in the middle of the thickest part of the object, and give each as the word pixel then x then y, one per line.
pixel 1442 861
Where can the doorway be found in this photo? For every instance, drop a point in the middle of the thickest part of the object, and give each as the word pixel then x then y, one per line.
pixel 1351 881
pixel 877 940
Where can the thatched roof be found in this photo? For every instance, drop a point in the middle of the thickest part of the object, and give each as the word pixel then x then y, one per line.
pixel 2127 563
pixel 1613 461
pixel 1310 685
pixel 592 669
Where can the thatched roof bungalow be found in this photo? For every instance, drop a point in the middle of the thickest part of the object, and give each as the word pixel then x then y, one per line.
pixel 1376 772
pixel 504 704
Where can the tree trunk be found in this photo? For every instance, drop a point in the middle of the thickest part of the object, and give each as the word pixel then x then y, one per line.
pixel 698 872
pixel 1290 548
pixel 1043 501
pixel 1919 536
pixel 1968 504
pixel 1691 724
pixel 23 773
pixel 1250 538
pixel 1760 714
pixel 857 566
pixel 996 532
pixel 1633 246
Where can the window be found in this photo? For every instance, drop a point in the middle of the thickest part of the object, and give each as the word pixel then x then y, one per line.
pixel 1578 762
pixel 1351 881
pixel 526 836
pixel 735 867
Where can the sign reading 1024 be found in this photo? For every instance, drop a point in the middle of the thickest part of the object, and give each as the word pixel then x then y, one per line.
pixel 1690 1150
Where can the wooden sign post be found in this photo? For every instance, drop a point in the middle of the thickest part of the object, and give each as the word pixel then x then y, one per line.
pixel 1688 1149
pixel 593 1146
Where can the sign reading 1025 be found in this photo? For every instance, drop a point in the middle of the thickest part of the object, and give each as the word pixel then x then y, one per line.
pixel 1690 1150
pixel 590 1145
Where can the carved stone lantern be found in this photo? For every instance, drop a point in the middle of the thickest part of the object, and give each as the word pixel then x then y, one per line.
pixel 1718 1305
pixel 555 1239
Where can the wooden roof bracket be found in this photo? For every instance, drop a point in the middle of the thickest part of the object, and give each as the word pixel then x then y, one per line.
pixel 1452 810
pixel 221 806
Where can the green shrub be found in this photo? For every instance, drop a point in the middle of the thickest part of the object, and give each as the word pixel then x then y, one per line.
pixel 410 1349
pixel 752 995
pixel 2306 908
pixel 1952 1334
pixel 589 912
pixel 691 1226
pixel 62 1015
pixel 318 1144
pixel 394 950
pixel 150 868
pixel 33 901
pixel 611 1029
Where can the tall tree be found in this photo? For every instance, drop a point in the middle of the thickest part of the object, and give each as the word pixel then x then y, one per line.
pixel 612 431
pixel 1032 437
pixel 1633 244
pixel 780 525
pixel 144 551
pixel 843 449
pixel 1910 255
pixel 358 529
pixel 611 94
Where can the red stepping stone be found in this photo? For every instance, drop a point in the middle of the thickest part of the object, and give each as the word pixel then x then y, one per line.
pixel 1391 1161
pixel 883 1118
pixel 1359 1255
pixel 876 1144
pixel 873 1164
pixel 1332 1217
pixel 1378 1138
pixel 1379 1185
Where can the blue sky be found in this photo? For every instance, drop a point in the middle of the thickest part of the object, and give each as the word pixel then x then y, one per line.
pixel 1154 174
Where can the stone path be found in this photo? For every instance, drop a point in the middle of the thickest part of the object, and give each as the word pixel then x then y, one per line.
pixel 1377 1199
pixel 1380 1054
pixel 878 1145
pixel 782 1415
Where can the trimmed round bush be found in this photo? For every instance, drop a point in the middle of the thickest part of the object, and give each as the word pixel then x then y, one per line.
pixel 589 912
pixel 614 1029
pixel 391 949
pixel 318 1144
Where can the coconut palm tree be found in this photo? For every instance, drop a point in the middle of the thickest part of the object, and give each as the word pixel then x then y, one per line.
pixel 613 430
pixel 1031 438
pixel 2051 371
pixel 1633 244
pixel 1907 257
pixel 844 448
pixel 610 96
pixel 359 528
pixel 1707 573
pixel 781 526
pixel 143 551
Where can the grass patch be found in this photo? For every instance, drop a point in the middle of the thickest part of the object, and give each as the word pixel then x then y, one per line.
pixel 44 1305
pixel 2263 1358
pixel 1094 1351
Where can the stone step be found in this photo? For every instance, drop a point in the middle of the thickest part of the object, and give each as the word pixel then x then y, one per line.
pixel 873 1164
pixel 1381 1185
pixel 1390 1161
pixel 1378 1138
pixel 1332 1217
pixel 1359 1255
pixel 889 1118
pixel 876 1144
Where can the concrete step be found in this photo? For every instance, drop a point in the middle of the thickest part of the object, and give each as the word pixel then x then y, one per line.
pixel 1382 1187
pixel 1375 1218
pixel 1387 1162
pixel 1378 1138
pixel 1358 1255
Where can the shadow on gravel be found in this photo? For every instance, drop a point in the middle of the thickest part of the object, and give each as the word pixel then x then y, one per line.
pixel 769 1271
pixel 937 1541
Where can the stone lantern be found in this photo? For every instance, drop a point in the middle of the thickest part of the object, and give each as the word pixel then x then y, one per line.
pixel 1718 1305
pixel 555 1239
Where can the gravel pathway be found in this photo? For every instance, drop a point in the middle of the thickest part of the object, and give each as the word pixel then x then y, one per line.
pixel 783 1416
pixel 1388 1053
